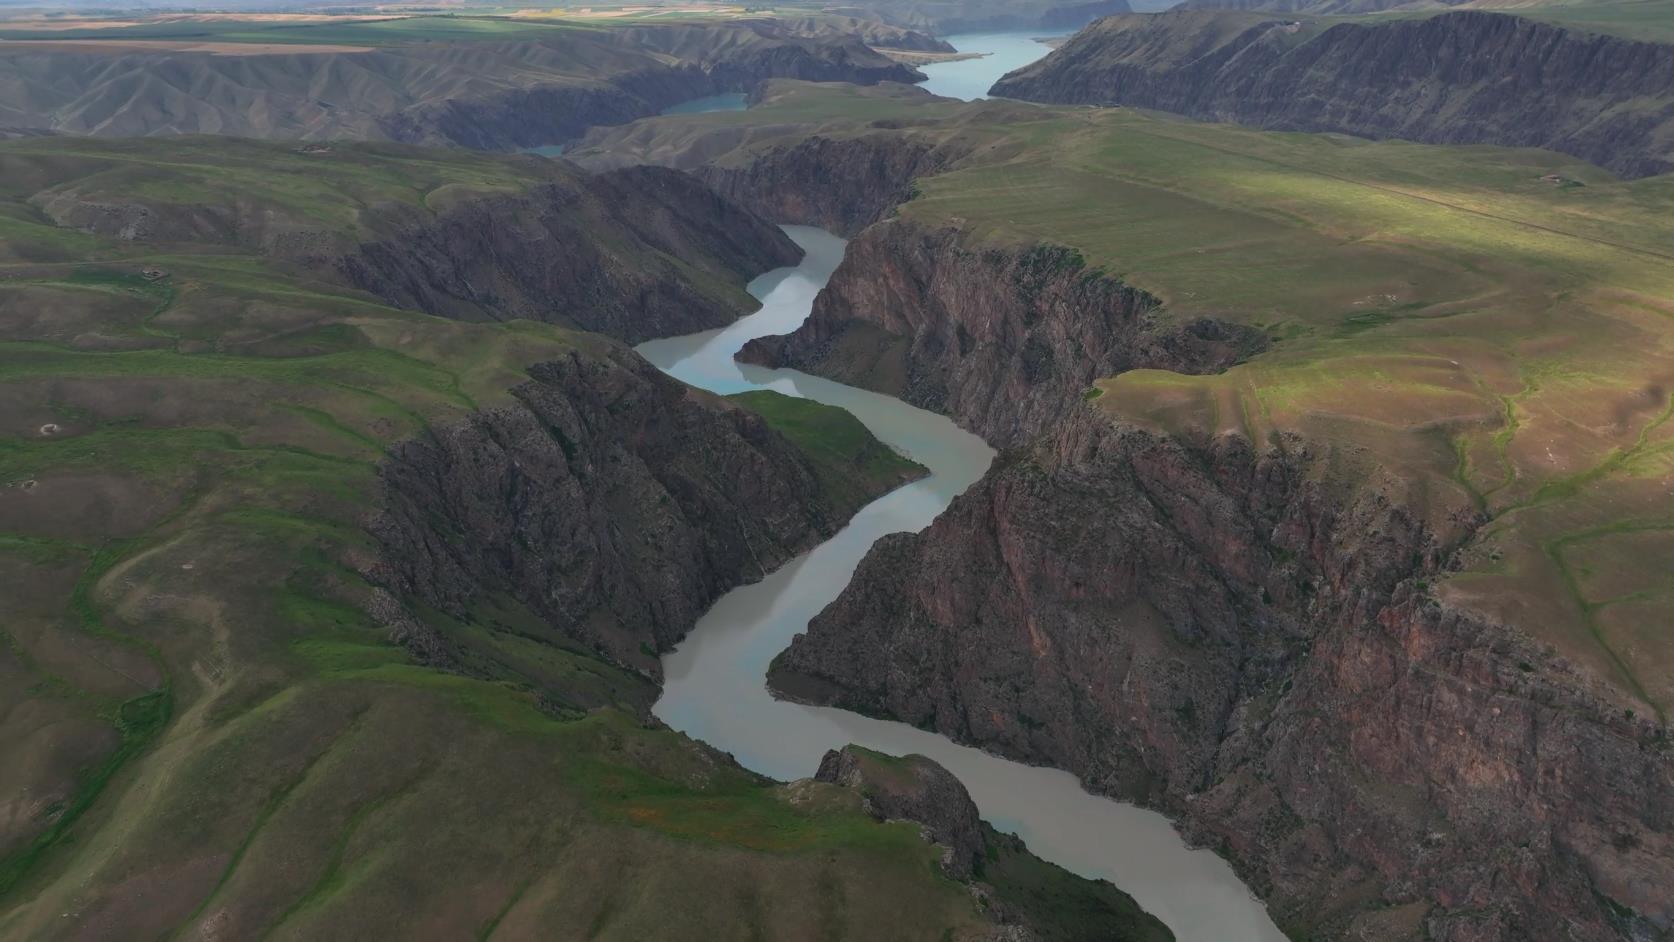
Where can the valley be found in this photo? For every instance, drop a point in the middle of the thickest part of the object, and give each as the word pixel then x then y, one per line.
pixel 1204 477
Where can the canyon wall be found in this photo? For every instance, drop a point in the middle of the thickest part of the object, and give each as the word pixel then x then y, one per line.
pixel 1245 641
pixel 1465 77
pixel 615 502
pixel 674 261
pixel 1003 339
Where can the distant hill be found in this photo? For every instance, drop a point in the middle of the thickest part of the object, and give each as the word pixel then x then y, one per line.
pixel 1466 77
pixel 519 86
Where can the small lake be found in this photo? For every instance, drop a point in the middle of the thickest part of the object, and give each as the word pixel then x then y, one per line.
pixel 970 79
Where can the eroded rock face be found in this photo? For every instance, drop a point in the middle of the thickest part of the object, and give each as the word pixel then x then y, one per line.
pixel 1003 339
pixel 615 502
pixel 612 253
pixel 840 184
pixel 1467 77
pixel 913 788
pixel 1233 637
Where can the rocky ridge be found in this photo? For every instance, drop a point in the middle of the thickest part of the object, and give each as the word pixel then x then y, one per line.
pixel 1004 339
pixel 1464 77
pixel 613 501
pixel 1243 639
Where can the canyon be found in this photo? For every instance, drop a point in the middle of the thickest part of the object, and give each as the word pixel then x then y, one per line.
pixel 1467 77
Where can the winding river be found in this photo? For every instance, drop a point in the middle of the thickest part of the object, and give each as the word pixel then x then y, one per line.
pixel 715 688
pixel 999 53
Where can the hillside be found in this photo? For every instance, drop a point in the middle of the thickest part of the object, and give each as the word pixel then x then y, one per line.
pixel 515 86
pixel 1335 498
pixel 1453 78
pixel 328 618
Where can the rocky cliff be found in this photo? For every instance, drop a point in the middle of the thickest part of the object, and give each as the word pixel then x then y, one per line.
pixel 672 264
pixel 843 184
pixel 1244 638
pixel 483 94
pixel 1457 78
pixel 613 501
pixel 1003 339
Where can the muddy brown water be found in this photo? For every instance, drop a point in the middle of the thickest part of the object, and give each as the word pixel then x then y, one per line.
pixel 715 687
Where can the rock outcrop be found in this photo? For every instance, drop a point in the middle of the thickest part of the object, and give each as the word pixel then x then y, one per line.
pixel 613 501
pixel 635 253
pixel 1004 339
pixel 1465 77
pixel 843 184
pixel 1029 899
pixel 1244 638
pixel 916 789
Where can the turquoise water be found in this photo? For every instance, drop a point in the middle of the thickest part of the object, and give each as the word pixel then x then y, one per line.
pixel 970 79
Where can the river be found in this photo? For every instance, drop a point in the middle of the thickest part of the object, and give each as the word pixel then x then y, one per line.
pixel 969 79
pixel 715 686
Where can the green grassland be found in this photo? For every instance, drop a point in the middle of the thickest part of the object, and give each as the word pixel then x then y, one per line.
pixel 205 732
pixel 1483 332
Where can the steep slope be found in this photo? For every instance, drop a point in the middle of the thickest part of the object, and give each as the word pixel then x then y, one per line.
pixel 1004 341
pixel 328 619
pixel 633 253
pixel 1455 78
pixel 1281 597
pixel 1225 635
pixel 495 95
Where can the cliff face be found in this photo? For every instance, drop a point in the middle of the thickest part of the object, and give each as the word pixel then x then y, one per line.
pixel 841 184
pixel 1004 340
pixel 1457 78
pixel 486 95
pixel 674 255
pixel 613 501
pixel 1234 638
